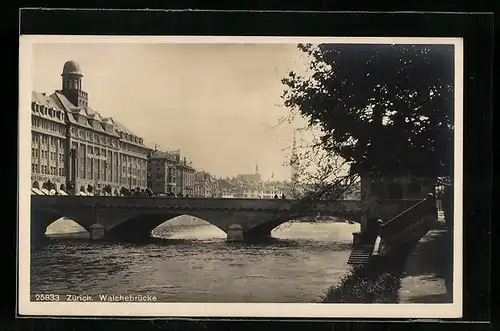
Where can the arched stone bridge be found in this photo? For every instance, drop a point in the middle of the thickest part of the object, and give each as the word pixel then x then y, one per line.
pixel 135 217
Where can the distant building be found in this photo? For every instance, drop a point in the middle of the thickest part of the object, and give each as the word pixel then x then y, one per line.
pixel 250 178
pixel 185 178
pixel 162 169
pixel 225 189
pixel 205 186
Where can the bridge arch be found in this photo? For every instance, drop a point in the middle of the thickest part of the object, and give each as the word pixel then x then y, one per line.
pixel 43 218
pixel 141 226
pixel 264 229
pixel 64 226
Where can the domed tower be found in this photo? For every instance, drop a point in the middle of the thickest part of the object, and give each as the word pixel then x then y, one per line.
pixel 72 84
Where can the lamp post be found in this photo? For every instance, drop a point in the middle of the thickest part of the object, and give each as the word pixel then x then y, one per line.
pixel 130 177
pixel 105 176
pixel 73 162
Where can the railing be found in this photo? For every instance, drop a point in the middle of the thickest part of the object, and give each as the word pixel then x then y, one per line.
pixel 404 228
pixel 406 218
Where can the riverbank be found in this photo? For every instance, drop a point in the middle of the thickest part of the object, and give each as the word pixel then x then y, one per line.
pixel 428 270
pixel 369 283
pixel 422 274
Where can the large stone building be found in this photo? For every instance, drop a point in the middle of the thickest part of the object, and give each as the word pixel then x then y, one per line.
pixel 75 148
pixel 48 143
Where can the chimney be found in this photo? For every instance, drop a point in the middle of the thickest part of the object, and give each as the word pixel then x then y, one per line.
pixel 185 161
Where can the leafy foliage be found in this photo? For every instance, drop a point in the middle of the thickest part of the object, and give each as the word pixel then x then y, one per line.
pixel 363 285
pixel 382 108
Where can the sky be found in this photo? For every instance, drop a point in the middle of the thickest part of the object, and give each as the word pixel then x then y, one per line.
pixel 219 103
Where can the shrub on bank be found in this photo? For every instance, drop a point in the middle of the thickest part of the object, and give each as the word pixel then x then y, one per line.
pixel 365 284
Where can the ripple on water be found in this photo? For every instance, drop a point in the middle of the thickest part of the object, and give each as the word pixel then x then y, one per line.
pixel 193 265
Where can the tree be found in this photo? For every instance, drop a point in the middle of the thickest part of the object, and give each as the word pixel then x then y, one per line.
pixel 381 108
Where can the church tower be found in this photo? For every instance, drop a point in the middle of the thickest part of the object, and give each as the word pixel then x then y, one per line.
pixel 72 84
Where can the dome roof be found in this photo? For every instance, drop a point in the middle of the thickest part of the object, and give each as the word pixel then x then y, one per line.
pixel 72 67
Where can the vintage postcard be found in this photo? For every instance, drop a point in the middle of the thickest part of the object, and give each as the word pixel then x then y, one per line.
pixel 240 177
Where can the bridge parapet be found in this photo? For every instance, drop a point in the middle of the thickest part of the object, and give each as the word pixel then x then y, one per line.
pixel 194 203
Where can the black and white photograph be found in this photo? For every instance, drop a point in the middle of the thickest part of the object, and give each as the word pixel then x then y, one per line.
pixel 240 176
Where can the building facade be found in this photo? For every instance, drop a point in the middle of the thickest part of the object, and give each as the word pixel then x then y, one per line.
pixel 185 178
pixel 205 186
pixel 48 143
pixel 92 154
pixel 162 169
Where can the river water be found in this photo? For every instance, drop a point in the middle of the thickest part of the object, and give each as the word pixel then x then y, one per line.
pixel 194 263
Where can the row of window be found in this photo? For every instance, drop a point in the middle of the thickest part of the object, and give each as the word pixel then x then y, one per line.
pixel 45 124
pixel 131 148
pixel 97 169
pixel 94 137
pixel 44 154
pixel 87 151
pixel 130 137
pixel 72 84
pixel 50 140
pixel 47 111
pixel 134 162
pixel 45 169
pixel 52 156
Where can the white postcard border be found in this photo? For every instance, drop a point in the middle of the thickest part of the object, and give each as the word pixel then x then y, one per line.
pixel 283 310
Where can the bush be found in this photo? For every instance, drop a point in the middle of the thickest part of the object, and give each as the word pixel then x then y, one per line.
pixel 366 284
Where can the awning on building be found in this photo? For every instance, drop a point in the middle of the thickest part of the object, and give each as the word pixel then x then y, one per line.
pixel 61 192
pixel 45 191
pixel 36 191
pixel 82 193
pixel 52 192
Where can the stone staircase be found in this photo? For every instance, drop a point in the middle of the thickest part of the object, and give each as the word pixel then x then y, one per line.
pixel 360 255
